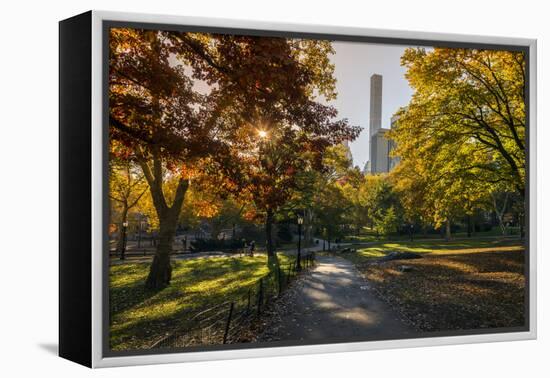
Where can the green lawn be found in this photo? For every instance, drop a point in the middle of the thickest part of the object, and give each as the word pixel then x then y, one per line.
pixel 138 317
pixel 435 247
pixel 370 236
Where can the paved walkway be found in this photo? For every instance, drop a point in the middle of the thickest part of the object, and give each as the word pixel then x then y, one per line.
pixel 133 257
pixel 334 302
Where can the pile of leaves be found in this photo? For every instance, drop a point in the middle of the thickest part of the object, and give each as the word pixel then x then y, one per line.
pixel 461 291
pixel 268 328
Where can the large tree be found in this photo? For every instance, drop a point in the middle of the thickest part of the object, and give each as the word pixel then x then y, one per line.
pixel 285 172
pixel 462 136
pixel 285 129
pixel 162 122
pixel 380 203
pixel 323 195
pixel 187 102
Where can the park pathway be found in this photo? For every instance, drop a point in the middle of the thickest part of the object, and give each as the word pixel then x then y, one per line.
pixel 334 302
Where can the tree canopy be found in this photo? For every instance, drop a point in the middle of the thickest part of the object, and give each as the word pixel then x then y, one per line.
pixel 462 136
pixel 189 104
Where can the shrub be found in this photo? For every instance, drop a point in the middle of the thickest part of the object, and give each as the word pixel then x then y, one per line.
pixel 203 245
pixel 284 233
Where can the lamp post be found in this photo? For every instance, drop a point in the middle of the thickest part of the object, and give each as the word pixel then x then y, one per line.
pixel 298 256
pixel 123 252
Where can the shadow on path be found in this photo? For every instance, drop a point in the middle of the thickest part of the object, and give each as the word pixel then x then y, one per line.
pixel 334 302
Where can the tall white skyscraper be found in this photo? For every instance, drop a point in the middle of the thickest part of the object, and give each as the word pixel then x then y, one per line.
pixel 375 120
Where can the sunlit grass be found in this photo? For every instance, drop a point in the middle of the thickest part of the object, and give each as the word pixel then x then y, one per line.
pixel 436 247
pixel 138 315
pixel 441 247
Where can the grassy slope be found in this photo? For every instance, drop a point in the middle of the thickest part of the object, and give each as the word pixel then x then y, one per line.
pixel 433 247
pixel 139 316
pixel 457 285
pixel 370 236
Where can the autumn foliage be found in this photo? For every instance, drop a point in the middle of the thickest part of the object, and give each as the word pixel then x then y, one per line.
pixel 195 101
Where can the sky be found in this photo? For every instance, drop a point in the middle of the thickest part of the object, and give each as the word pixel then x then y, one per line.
pixel 355 62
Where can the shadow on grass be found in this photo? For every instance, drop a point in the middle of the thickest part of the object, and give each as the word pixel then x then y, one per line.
pixel 138 315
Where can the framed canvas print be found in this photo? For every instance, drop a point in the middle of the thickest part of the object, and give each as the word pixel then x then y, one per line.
pixel 234 189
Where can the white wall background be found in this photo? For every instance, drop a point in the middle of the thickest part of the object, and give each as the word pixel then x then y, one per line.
pixel 28 200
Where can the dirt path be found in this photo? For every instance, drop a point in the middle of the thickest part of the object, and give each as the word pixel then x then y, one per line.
pixel 334 302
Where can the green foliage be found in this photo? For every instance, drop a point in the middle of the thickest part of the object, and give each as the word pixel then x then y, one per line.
pixel 462 136
pixel 327 195
pixel 378 205
pixel 387 223
pixel 330 211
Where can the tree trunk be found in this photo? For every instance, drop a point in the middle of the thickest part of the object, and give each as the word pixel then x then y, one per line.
pixel 448 230
pixel 160 272
pixel 269 233
pixel 469 231
pixel 500 212
pixel 521 226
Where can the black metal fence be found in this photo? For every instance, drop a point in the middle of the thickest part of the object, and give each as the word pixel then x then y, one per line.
pixel 227 322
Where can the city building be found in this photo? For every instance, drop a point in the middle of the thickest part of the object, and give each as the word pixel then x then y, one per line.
pixel 393 160
pixel 380 146
pixel 349 156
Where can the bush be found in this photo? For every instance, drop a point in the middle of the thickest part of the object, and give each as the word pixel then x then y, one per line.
pixel 284 233
pixel 483 227
pixel 252 232
pixel 203 245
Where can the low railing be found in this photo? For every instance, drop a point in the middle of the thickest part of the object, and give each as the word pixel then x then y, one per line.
pixel 227 322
